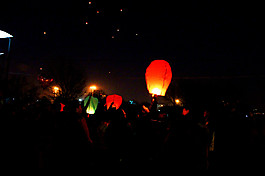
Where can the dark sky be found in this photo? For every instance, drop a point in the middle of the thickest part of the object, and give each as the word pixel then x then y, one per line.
pixel 198 39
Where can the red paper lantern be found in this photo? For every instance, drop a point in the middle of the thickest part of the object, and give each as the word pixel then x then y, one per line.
pixel 115 99
pixel 62 106
pixel 158 77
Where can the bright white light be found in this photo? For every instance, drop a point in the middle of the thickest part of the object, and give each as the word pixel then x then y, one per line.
pixel 80 99
pixel 4 34
pixel 1 53
pixel 156 91
pixel 90 111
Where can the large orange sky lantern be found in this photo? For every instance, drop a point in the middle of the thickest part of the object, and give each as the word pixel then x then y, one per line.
pixel 158 77
pixel 115 99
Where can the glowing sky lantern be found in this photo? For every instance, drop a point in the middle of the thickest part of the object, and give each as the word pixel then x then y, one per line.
pixel 92 107
pixel 115 99
pixel 158 77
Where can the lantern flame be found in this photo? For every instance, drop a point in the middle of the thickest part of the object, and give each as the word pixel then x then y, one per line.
pixel 156 91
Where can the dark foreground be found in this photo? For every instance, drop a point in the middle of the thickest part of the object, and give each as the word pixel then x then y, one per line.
pixel 42 137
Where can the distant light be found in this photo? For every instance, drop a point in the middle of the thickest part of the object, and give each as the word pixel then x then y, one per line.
pixel 1 53
pixel 246 115
pixel 93 87
pixel 41 68
pixel 56 89
pixel 112 37
pixel 89 2
pixel 97 11
pixel 109 72
pixel 118 30
pixel 4 34
pixel 80 99
pixel 44 33
pixel 121 10
pixel 136 34
pixel 177 101
pixel 86 22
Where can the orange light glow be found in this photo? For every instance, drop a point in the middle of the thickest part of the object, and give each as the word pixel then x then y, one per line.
pixel 93 87
pixel 55 89
pixel 177 101
pixel 158 77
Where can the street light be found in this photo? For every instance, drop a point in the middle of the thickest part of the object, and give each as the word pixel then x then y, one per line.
pixel 55 90
pixel 177 101
pixel 93 88
pixel 4 34
pixel 5 68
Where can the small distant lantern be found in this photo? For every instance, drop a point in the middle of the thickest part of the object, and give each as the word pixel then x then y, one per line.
pixel 92 107
pixel 121 10
pixel 62 106
pixel 97 11
pixel 89 2
pixel 86 22
pixel 115 100
pixel 112 37
pixel 44 33
pixel 158 76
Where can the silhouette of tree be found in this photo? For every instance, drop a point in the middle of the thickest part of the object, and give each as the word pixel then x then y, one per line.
pixel 71 80
pixel 174 92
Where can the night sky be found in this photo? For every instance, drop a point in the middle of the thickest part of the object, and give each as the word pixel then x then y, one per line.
pixel 206 39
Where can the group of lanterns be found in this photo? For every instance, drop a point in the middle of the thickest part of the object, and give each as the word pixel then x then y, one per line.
pixel 158 77
pixel 113 101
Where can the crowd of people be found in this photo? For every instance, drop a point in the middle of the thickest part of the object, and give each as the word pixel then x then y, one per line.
pixel 212 138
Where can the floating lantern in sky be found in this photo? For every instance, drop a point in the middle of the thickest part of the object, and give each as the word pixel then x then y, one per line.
pixel 89 2
pixel 44 33
pixel 118 30
pixel 115 100
pixel 92 107
pixel 97 11
pixel 86 22
pixel 121 10
pixel 158 77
